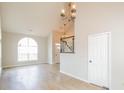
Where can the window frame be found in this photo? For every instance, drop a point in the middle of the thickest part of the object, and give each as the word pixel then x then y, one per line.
pixel 27 48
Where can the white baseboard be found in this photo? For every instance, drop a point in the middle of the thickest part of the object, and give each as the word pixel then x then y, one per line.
pixel 19 65
pixel 74 76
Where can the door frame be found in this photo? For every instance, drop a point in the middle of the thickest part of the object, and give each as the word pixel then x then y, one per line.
pixel 109 56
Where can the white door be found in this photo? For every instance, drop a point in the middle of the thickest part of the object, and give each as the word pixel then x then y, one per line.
pixel 98 59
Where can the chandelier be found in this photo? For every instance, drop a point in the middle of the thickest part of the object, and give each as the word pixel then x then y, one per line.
pixel 69 13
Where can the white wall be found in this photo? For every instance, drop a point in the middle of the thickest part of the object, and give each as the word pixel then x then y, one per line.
pixel 40 17
pixel 50 49
pixel 0 47
pixel 9 49
pixel 96 18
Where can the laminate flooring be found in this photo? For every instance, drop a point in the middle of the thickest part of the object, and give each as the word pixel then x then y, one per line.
pixel 41 77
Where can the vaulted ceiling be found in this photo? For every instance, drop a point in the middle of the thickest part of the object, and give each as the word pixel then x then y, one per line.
pixel 30 18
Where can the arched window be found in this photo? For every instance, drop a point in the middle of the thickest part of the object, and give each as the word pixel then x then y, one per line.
pixel 27 50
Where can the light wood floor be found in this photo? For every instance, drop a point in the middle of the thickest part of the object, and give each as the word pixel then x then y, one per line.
pixel 40 77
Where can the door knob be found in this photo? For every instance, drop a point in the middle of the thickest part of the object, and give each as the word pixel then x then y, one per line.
pixel 90 61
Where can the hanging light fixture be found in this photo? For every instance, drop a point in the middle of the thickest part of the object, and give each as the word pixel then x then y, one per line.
pixel 71 10
pixel 68 15
pixel 63 13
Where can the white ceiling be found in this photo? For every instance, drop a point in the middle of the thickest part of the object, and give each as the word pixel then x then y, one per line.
pixel 30 18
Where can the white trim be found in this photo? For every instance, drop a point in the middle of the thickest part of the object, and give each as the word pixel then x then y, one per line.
pixel 109 60
pixel 109 82
pixel 97 34
pixel 19 65
pixel 68 74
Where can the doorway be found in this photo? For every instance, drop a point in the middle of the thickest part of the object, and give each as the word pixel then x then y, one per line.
pixel 99 59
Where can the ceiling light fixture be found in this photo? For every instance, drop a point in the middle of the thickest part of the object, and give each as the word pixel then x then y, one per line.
pixel 70 13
